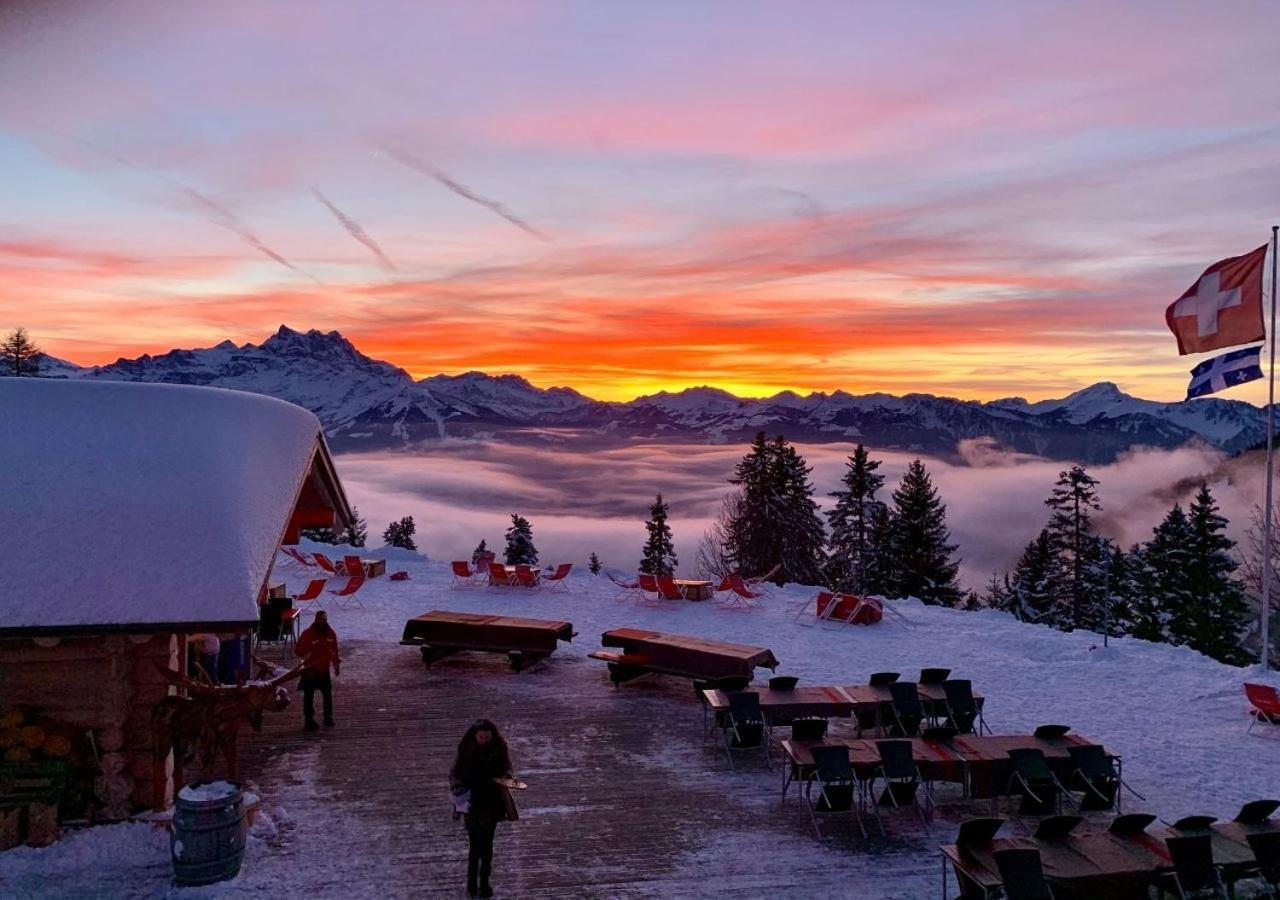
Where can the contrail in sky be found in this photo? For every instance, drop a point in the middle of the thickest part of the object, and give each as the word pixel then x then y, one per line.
pixel 224 218
pixel 463 191
pixel 353 228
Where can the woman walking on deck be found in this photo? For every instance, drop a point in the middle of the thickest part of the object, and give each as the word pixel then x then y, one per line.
pixel 483 763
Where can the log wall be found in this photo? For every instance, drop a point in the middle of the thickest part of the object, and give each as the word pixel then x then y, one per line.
pixel 107 684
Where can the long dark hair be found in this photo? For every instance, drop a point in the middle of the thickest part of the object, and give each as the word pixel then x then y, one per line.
pixel 469 750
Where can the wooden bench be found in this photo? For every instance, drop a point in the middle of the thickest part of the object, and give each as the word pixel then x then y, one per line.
pixel 627 666
pixel 519 659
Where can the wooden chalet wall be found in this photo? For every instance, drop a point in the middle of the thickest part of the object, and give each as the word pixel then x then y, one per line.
pixel 106 683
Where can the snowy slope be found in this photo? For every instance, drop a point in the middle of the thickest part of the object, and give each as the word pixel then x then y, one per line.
pixel 1178 720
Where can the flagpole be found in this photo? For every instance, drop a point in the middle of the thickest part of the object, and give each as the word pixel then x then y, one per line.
pixel 1271 416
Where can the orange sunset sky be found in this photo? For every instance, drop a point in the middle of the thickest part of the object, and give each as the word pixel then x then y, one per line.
pixel 984 201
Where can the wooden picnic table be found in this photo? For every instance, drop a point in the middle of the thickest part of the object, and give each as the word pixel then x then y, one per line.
pixel 871 704
pixel 441 633
pixel 694 589
pixel 780 707
pixel 645 652
pixel 374 567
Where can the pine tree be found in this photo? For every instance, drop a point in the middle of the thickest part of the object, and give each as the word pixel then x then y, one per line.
pixel 357 534
pixel 1217 615
pixel 880 574
pixel 1160 577
pixel 920 541
pixel 1076 593
pixel 593 564
pixel 18 356
pixel 750 542
pixel 481 550
pixel 323 535
pixel 850 521
pixel 659 555
pixel 998 593
pixel 1030 595
pixel 400 534
pixel 520 548
pixel 797 525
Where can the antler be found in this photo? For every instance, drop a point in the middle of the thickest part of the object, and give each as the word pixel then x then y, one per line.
pixel 295 672
pixel 180 680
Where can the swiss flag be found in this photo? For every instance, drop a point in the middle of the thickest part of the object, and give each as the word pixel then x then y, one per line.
pixel 1223 308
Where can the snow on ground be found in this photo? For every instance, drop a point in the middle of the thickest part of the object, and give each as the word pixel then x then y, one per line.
pixel 1177 718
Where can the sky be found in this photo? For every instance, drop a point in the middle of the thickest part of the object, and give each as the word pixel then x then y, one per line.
pixel 971 199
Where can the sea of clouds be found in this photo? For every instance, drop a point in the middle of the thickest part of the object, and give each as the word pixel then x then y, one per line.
pixel 584 501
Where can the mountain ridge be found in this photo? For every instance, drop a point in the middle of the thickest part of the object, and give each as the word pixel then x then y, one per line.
pixel 365 403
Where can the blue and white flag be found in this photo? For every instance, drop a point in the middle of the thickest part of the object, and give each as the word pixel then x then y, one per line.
pixel 1225 371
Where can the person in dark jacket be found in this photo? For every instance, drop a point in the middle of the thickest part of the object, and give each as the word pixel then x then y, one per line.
pixel 483 757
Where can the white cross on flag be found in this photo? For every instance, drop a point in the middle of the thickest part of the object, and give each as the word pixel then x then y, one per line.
pixel 1223 308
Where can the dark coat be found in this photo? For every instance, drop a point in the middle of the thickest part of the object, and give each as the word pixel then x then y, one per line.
pixel 490 802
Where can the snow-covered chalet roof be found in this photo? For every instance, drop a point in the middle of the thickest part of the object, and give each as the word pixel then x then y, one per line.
pixel 146 505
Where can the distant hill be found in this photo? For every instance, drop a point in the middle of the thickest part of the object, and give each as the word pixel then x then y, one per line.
pixel 369 404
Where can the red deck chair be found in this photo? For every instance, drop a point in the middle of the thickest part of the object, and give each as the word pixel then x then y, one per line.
pixel 347 593
pixel 668 589
pixel 310 596
pixel 462 573
pixel 649 585
pixel 1266 704
pixel 527 576
pixel 760 583
pixel 352 565
pixel 499 577
pixel 724 584
pixel 740 595
pixel 325 563
pixel 556 578
pixel 297 559
pixel 626 589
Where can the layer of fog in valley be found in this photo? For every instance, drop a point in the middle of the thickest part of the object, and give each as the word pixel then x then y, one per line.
pixel 596 501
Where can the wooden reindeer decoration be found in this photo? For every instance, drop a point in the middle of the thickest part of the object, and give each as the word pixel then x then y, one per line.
pixel 208 720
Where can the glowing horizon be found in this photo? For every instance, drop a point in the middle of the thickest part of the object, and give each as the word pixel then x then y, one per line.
pixel 757 199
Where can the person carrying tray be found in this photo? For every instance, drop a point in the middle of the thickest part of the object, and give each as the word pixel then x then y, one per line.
pixel 480 782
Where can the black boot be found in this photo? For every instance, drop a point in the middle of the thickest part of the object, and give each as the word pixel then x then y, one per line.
pixel 485 890
pixel 471 887
pixel 473 863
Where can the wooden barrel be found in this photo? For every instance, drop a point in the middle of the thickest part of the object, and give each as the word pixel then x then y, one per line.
pixel 207 838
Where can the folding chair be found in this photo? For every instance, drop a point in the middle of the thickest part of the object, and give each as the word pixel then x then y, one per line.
pixel 908 711
pixel 823 605
pixel 325 563
pixel 1056 828
pixel 1265 701
pixel 462 573
pixel 311 593
pixel 727 685
pixel 836 785
pixel 1096 776
pixel 499 576
pixel 883 679
pixel 1266 850
pixel 740 595
pixel 668 589
pixel 1131 823
pixel 347 593
pixel 975 834
pixel 783 682
pixel 297 559
pixel 1022 874
pixel 1256 812
pixel 1038 788
pixel 1195 877
pixel 352 565
pixel 934 676
pixel 902 782
pixel 745 729
pixel 808 729
pixel 526 576
pixel 626 589
pixel 1051 732
pixel 963 712
pixel 556 579
pixel 649 585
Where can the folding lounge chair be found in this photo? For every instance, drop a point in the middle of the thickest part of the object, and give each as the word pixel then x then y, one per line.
pixel 934 676
pixel 1266 850
pixel 556 579
pixel 1022 874
pixel 526 576
pixel 462 573
pixel 908 711
pixel 1195 877
pixel 1265 702
pixel 499 576
pixel 963 712
pixel 347 593
pixel 745 729
pixel 297 559
pixel 740 595
pixel 1093 773
pixel 668 589
pixel 311 593
pixel 902 782
pixel 325 563
pixel 352 565
pixel 649 585
pixel 832 787
pixel 1038 788
pixel 626 589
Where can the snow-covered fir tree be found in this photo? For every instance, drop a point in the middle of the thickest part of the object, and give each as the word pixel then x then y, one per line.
pixel 1160 577
pixel 1216 614
pixel 357 535
pixel 520 547
pixel 921 542
pixel 593 564
pixel 880 573
pixel 1031 594
pixel 798 525
pixel 848 548
pixel 400 534
pixel 659 555
pixel 322 535
pixel 750 542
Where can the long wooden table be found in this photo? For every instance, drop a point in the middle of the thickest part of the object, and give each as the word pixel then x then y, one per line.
pixel 937 761
pixel 780 707
pixel 645 652
pixel 873 706
pixel 1103 865
pixel 990 767
pixel 441 633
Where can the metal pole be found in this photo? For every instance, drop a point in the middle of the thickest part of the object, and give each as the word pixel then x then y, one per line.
pixel 1266 520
